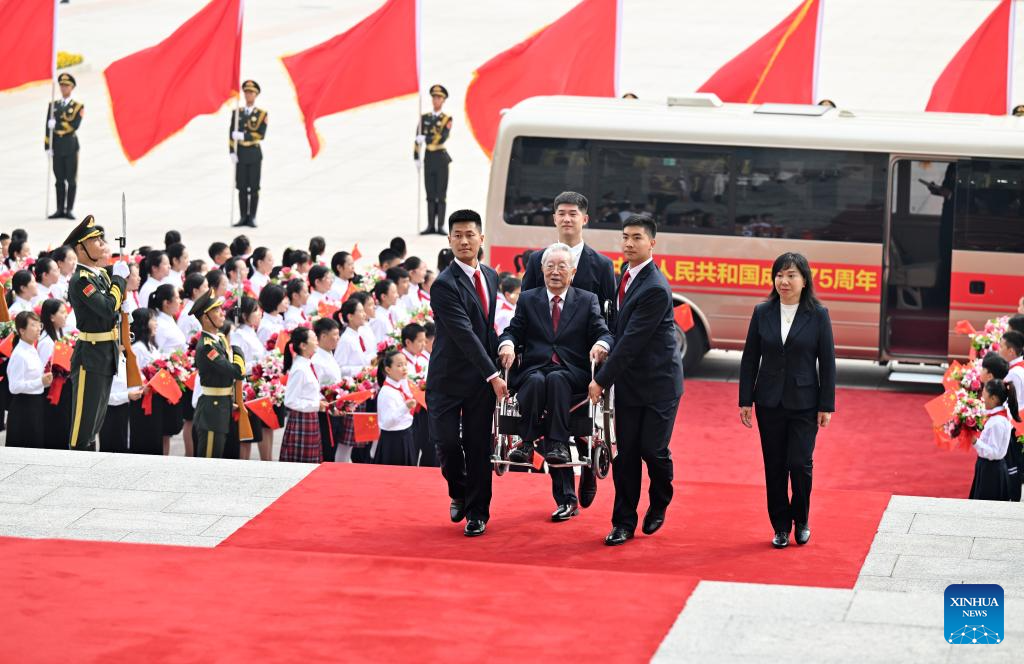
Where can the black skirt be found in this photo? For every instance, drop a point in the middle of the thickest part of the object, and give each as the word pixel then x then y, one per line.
pixel 991 481
pixel 144 434
pixel 25 421
pixel 57 419
pixel 114 432
pixel 396 448
pixel 171 415
pixel 187 411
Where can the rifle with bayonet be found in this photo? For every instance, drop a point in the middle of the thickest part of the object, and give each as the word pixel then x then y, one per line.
pixel 131 362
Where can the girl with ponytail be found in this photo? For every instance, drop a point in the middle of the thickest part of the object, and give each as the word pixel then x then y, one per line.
pixel 991 478
pixel 27 378
pixel 303 400
pixel 395 408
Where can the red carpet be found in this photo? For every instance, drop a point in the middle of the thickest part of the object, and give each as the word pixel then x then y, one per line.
pixel 108 602
pixel 713 531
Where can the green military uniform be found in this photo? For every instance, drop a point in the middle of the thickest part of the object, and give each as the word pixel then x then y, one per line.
pixel 252 122
pixel 67 114
pixel 435 128
pixel 96 298
pixel 219 365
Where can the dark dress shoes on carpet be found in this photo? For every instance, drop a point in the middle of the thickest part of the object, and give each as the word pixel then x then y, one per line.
pixel 475 528
pixel 781 539
pixel 521 454
pixel 652 521
pixel 618 536
pixel 565 512
pixel 558 453
pixel 801 533
pixel 588 487
pixel 457 511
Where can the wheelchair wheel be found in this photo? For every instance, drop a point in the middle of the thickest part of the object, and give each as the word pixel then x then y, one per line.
pixel 601 464
pixel 500 469
pixel 498 454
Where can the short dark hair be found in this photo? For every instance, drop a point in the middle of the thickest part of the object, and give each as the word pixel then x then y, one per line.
pixel 465 217
pixel 571 198
pixel 510 284
pixel 1015 340
pixel 338 260
pixel 1016 323
pixel 444 259
pixel 381 288
pixel 271 298
pixel 996 365
pixel 316 273
pixel 387 254
pixel 430 328
pixel 21 279
pixel 348 307
pixel 397 272
pixel 214 277
pixel 397 245
pixel 324 326
pixel 240 245
pixel 236 264
pixel 293 287
pixel 60 254
pixel 42 266
pixel 411 331
pixel 216 249
pixel 192 282
pixel 175 251
pixel 649 225
pixel 412 262
pixel 195 266
pixel 19 234
pixel 171 237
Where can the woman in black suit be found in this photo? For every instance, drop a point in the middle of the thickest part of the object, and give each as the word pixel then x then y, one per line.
pixel 789 370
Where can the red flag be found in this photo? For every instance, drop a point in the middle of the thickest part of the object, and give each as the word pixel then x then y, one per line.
pixel 263 409
pixel 27 29
pixel 418 395
pixel 326 309
pixel 366 427
pixel 948 381
pixel 283 337
pixel 780 67
pixel 977 79
pixel 575 55
pixel 190 382
pixel 537 460
pixel 156 92
pixel 356 254
pixel 964 327
pixel 355 397
pixel 7 345
pixel 684 317
pixel 62 355
pixel 940 409
pixel 1018 427
pixel 374 60
pixel 163 383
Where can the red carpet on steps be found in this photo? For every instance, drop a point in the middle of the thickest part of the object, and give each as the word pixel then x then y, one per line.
pixel 109 602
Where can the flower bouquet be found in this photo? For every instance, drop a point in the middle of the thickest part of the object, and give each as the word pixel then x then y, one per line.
pixel 266 379
pixel 965 423
pixel 987 339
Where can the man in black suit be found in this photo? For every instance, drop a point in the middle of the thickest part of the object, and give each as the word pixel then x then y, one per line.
pixel 560 328
pixel 462 380
pixel 646 370
pixel 595 273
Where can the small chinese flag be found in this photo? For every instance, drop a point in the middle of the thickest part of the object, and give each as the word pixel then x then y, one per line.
pixel 356 397
pixel 684 317
pixel 62 355
pixel 940 409
pixel 190 382
pixel 366 427
pixel 163 383
pixel 326 309
pixel 282 340
pixel 7 345
pixel 418 395
pixel 263 409
pixel 537 460
pixel 1018 427
pixel 964 327
pixel 356 254
pixel 948 381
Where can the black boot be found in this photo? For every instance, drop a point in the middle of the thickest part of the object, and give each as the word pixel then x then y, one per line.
pixel 70 204
pixel 59 214
pixel 243 207
pixel 254 201
pixel 430 218
pixel 441 205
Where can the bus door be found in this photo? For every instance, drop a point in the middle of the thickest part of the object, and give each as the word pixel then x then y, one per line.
pixel 917 259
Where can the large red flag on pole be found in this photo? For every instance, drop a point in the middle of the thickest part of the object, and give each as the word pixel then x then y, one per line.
pixel 374 60
pixel 27 41
pixel 780 67
pixel 979 77
pixel 156 92
pixel 576 55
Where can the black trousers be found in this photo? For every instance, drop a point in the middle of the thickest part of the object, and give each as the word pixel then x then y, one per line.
pixel 90 393
pixel 145 431
pixel 549 390
pixel 435 181
pixel 643 434
pixel 787 445
pixel 421 436
pixel 25 421
pixel 247 181
pixel 466 459
pixel 1014 466
pixel 114 432
pixel 65 171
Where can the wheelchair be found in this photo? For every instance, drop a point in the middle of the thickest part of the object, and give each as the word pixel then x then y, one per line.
pixel 591 423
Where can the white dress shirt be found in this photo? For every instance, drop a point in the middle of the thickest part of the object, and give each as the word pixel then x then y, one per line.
pixel 995 437
pixel 60 289
pixel 302 394
pixel 382 323
pixel 187 323
pixel 633 271
pixel 417 363
pixel 415 298
pixel 151 285
pixel 470 271
pixel 338 289
pixel 270 325
pixel 20 304
pixel 504 314
pixel 144 354
pixel 169 337
pixel 25 370
pixel 787 313
pixel 313 303
pixel 253 349
pixel 44 347
pixel 576 252
pixel 119 386
pixel 350 356
pixel 392 412
pixel 1016 376
pixel 369 337
pixel 257 281
pixel 293 318
pixel 327 370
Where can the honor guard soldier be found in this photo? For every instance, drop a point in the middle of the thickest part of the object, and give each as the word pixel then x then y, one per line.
pixel 63 117
pixel 248 127
pixel 219 365
pixel 96 297
pixel 433 133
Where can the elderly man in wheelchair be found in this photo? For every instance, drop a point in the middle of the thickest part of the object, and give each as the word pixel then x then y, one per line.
pixel 561 336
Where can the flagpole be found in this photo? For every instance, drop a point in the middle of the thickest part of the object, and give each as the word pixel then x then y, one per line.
pixel 234 151
pixel 817 52
pixel 419 124
pixel 53 114
pixel 1009 56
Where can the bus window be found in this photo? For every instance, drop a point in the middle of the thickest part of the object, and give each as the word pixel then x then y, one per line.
pixel 810 194
pixel 991 214
pixel 684 188
pixel 539 170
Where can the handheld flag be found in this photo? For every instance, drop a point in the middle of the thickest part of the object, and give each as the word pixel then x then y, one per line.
pixel 62 355
pixel 366 427
pixel 263 409
pixel 940 409
pixel 684 317
pixel 163 383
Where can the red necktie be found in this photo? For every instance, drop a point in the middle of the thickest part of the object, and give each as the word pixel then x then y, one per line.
pixel 362 344
pixel 480 291
pixel 622 287
pixel 556 315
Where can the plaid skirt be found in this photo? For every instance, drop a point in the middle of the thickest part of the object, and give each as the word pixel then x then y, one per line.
pixel 301 441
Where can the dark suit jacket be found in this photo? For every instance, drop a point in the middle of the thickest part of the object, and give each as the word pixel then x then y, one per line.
pixel 595 273
pixel 644 365
pixel 798 375
pixel 466 342
pixel 579 328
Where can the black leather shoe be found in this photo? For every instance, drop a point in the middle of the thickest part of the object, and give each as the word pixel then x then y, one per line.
pixel 429 231
pixel 457 510
pixel 521 454
pixel 241 223
pixel 618 536
pixel 69 215
pixel 59 214
pixel 652 521
pixel 588 487
pixel 558 453
pixel 565 512
pixel 781 539
pixel 801 533
pixel 441 231
pixel 475 528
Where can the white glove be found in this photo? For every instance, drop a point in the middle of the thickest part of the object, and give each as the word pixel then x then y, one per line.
pixel 419 164
pixel 121 268
pixel 51 123
pixel 238 135
pixel 234 158
pixel 49 153
pixel 421 139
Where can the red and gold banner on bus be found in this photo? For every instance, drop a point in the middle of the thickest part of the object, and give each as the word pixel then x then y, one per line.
pixel 741 275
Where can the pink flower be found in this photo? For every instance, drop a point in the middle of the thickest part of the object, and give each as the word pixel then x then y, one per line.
pixel 971 422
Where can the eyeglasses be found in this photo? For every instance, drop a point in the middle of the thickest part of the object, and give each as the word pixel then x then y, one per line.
pixel 556 267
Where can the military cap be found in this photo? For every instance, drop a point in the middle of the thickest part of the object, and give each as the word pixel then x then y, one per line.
pixel 86 229
pixel 251 86
pixel 66 78
pixel 1018 110
pixel 438 89
pixel 205 303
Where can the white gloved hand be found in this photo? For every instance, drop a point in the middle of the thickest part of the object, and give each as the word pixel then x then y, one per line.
pixel 421 139
pixel 121 268
pixel 234 158
pixel 49 153
pixel 238 135
pixel 51 123
pixel 419 164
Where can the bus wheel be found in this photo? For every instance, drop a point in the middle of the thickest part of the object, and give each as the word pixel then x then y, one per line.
pixel 692 346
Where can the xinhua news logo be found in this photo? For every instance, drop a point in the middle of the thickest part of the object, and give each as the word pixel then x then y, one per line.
pixel 974 614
